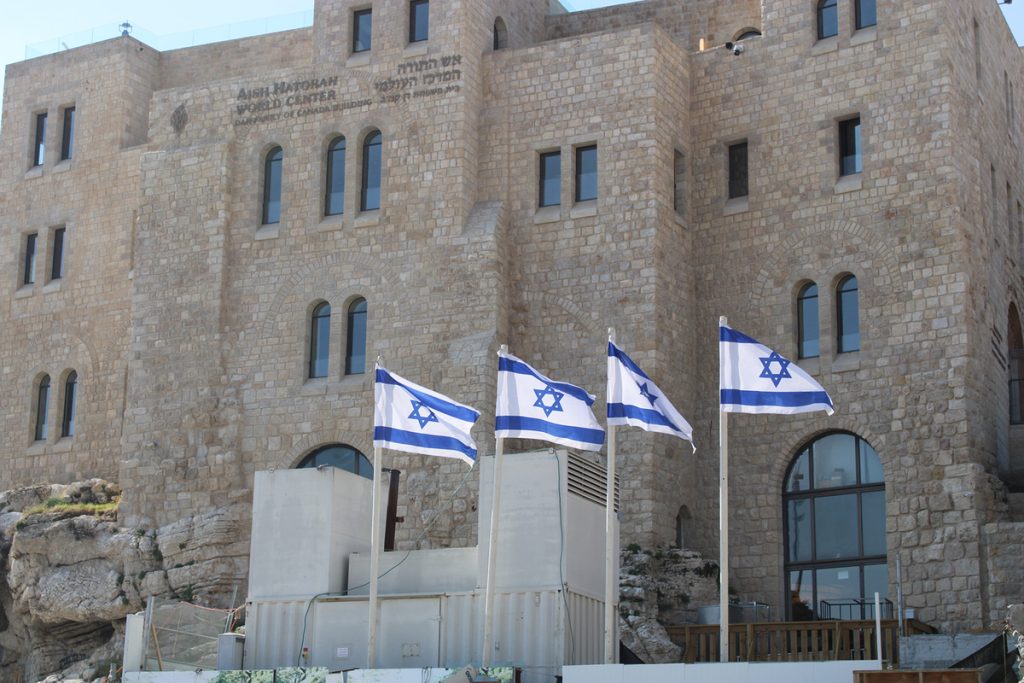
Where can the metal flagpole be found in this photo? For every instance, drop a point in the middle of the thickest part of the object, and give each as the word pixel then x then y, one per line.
pixel 371 654
pixel 492 548
pixel 723 516
pixel 610 566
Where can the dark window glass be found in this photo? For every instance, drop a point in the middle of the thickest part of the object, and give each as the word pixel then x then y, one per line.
pixel 500 34
pixel 272 186
pixel 28 275
pixel 355 351
pixel 1015 351
pixel 320 340
pixel 847 305
pixel 586 173
pixel 807 321
pixel 738 170
pixel 865 11
pixel 341 456
pixel 334 202
pixel 370 196
pixel 849 147
pixel 679 184
pixel 362 23
pixel 57 255
pixel 39 150
pixel 752 33
pixel 67 427
pixel 835 529
pixel 550 179
pixel 67 144
pixel 828 19
pixel 419 18
pixel 42 401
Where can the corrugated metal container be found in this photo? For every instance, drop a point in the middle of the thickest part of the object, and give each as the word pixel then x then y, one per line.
pixel 273 631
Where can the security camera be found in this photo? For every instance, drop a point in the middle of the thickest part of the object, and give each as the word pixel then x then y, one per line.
pixel 735 47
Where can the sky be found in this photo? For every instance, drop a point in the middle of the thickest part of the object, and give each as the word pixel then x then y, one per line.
pixel 25 24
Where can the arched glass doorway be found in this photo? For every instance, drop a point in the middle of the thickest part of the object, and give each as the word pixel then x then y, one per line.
pixel 341 456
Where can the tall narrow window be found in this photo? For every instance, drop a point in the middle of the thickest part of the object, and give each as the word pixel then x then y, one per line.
pixel 977 54
pixel 550 179
pixel 1015 356
pixel 67 425
pixel 57 255
pixel 865 13
pixel 39 149
pixel 28 274
pixel 362 30
pixel 320 340
pixel 1009 213
pixel 828 19
pixel 807 321
pixel 334 202
pixel 500 34
pixel 419 20
pixel 370 196
pixel 586 173
pixel 849 147
pixel 42 401
pixel 355 351
pixel 679 183
pixel 272 186
pixel 67 141
pixel 738 170
pixel 847 315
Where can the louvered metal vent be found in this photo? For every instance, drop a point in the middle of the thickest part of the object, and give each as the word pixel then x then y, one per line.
pixel 588 478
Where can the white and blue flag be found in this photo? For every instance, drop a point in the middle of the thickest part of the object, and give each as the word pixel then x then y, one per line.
pixel 756 379
pixel 414 419
pixel 531 406
pixel 634 399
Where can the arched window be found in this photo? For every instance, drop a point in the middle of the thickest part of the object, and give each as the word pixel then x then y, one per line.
pixel 67 423
pixel 500 34
pixel 1015 342
pixel 746 33
pixel 42 401
pixel 828 19
pixel 320 340
pixel 848 315
pixel 334 201
pixel 834 516
pixel 272 186
pixel 370 196
pixel 341 456
pixel 807 326
pixel 355 347
pixel 683 520
pixel 865 13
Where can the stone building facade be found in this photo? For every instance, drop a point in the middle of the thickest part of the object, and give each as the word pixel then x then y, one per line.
pixel 185 314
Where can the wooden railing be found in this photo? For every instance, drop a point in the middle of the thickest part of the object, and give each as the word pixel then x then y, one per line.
pixel 793 641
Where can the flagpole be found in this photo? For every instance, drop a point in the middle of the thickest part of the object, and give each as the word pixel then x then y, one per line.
pixel 371 654
pixel 610 567
pixel 723 517
pixel 492 549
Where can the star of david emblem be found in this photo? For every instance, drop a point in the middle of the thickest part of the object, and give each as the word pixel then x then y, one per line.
pixel 418 409
pixel 646 393
pixel 783 372
pixel 555 405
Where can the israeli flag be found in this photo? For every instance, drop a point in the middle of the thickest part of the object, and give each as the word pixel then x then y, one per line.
pixel 414 419
pixel 756 379
pixel 531 406
pixel 633 399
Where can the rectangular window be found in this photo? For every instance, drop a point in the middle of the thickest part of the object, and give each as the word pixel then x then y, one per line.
pixel 586 173
pixel 866 13
pixel 679 184
pixel 28 275
pixel 738 170
pixel 977 54
pixel 849 147
pixel 57 255
pixel 67 144
pixel 39 150
pixel 419 20
pixel 550 179
pixel 362 24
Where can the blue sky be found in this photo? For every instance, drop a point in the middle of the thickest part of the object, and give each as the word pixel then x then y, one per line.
pixel 26 23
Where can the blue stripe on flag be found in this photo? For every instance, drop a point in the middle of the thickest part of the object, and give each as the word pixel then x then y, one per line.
pixel 727 334
pixel 615 352
pixel 646 415
pixel 432 402
pixel 785 399
pixel 445 443
pixel 533 424
pixel 520 368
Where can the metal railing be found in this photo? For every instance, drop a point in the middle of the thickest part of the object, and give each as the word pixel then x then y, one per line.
pixel 855 608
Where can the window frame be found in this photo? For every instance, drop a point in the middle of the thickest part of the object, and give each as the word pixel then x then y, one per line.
pixel 802 339
pixel 356 321
pixel 319 326
pixel 70 405
pixel 357 16
pixel 360 461
pixel 499 34
pixel 858 14
pixel 841 304
pixel 543 181
pixel 856 158
pixel 578 177
pixel 39 138
pixel 373 143
pixel 737 182
pixel 339 144
pixel 831 7
pixel 414 5
pixel 67 138
pixel 29 256
pixel 58 243
pixel 40 428
pixel 274 156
